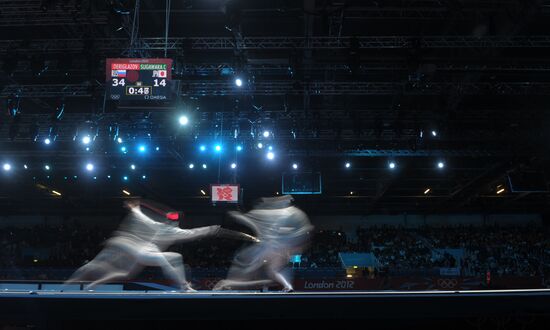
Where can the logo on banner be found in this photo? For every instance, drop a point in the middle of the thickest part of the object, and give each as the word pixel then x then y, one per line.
pixel 118 73
pixel 225 193
pixel 159 73
pixel 446 283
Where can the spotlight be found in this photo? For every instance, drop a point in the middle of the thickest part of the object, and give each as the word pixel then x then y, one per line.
pixel 144 177
pixel 157 148
pixel 233 165
pixel 202 148
pixel 266 134
pixel 391 165
pixel 440 165
pixel 123 149
pixel 86 140
pixel 183 120
pixel 89 167
pixel 270 148
pixel 270 155
pixel 218 148
pixel 119 140
pixel 434 133
pixel 260 145
pixel 238 82
pixel 133 167
pixel 47 141
pixel 348 165
pixel 7 167
pixel 25 166
pixel 204 166
pixel 191 165
pixel 108 176
pixel 141 148
pixel 239 148
pixel 125 178
pixel 295 166
pixel 47 167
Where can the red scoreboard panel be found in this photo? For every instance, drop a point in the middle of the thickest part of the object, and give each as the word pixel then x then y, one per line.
pixel 139 79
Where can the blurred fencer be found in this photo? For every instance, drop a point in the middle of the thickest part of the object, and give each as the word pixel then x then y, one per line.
pixel 283 230
pixel 141 240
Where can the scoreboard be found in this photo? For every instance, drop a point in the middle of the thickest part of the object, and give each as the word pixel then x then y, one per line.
pixel 139 79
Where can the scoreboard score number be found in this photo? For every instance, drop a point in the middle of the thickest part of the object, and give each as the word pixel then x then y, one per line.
pixel 139 79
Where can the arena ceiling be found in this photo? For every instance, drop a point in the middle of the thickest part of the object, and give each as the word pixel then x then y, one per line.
pixel 364 82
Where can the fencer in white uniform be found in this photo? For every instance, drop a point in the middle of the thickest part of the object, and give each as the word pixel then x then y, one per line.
pixel 283 230
pixel 141 241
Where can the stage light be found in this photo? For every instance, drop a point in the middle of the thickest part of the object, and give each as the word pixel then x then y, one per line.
pixel 440 165
pixel 123 149
pixel 202 148
pixel 157 148
pixel 7 167
pixel 142 148
pixel 266 134
pixel 47 141
pixel 144 177
pixel 218 148
pixel 191 165
pixel 238 82
pixel 25 166
pixel 204 166
pixel 434 133
pixel 133 167
pixel 119 140
pixel 348 165
pixel 183 120
pixel 47 167
pixel 351 192
pixel 427 191
pixel 270 155
pixel 108 176
pixel 295 166
pixel 125 192
pixel 260 145
pixel 56 193
pixel 125 178
pixel 233 165
pixel 239 148
pixel 270 148
pixel 203 192
pixel 500 191
pixel 86 140
pixel 95 177
pixel 89 167
pixel 391 165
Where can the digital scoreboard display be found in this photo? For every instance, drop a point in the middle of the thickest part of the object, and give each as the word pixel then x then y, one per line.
pixel 139 79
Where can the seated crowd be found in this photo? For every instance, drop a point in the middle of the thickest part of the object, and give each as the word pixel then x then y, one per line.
pixel 523 251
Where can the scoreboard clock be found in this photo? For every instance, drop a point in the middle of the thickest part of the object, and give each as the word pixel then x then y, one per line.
pixel 139 79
